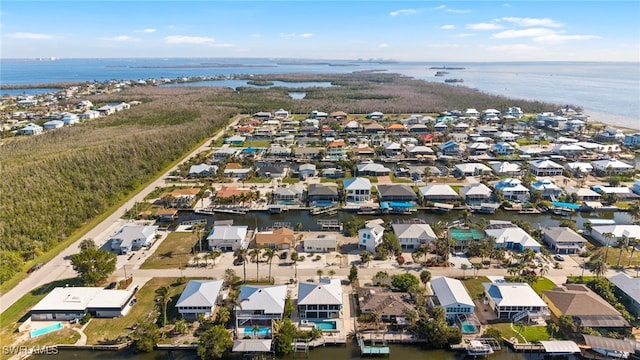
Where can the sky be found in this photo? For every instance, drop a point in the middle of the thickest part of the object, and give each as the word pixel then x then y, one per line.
pixel 391 30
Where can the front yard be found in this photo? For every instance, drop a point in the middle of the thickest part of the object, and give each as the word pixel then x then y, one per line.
pixel 173 252
pixel 530 333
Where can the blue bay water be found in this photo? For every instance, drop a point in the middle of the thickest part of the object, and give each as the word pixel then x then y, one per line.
pixel 608 92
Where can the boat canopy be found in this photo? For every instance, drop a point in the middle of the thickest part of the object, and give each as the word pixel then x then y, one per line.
pixel 560 346
pixel 606 343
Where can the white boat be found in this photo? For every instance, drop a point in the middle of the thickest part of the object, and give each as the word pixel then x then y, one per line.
pixel 477 348
pixel 612 353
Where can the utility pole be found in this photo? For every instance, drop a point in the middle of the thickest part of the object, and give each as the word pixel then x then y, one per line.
pixel 124 267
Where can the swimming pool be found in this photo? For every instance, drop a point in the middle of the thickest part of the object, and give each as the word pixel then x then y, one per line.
pixel 468 328
pixel 325 325
pixel 262 331
pixel 46 329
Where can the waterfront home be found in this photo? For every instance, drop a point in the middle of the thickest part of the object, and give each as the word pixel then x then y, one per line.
pixel 369 168
pixel 548 190
pixel 451 295
pixel 476 193
pixel 357 189
pixel 224 153
pixel 306 171
pixel 509 236
pixel 439 193
pixel 414 151
pixel 392 148
pixel 584 194
pixel 621 192
pixel 413 235
pixel 610 135
pixel 320 243
pixel 180 198
pixel 202 170
pixel 289 195
pixel 236 173
pixel 478 148
pixel 373 128
pixel 585 307
pixel 545 167
pixel 610 234
pixel 133 237
pixel 230 193
pixel 610 166
pixel 320 300
pixel 578 168
pixel 628 288
pixel 307 153
pixel 505 168
pixel 462 238
pixel 370 236
pixel 282 238
pixel 450 148
pixel 569 150
pixel 322 195
pixel 515 301
pixel 235 140
pixel 199 298
pixel 259 305
pixel 69 303
pixel 228 237
pixel 397 193
pixel 391 306
pixel 472 169
pixel 336 150
pixel 563 240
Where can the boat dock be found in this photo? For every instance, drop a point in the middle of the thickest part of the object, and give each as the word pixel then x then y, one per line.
pixel 330 225
pixel 323 210
pixel 375 347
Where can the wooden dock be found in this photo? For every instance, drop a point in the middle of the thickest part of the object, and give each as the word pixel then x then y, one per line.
pixel 330 225
pixel 375 348
pixel 323 210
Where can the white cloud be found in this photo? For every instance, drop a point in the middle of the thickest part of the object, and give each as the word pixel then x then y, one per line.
pixel 530 22
pixel 120 38
pixel 383 45
pixel 30 36
pixel 403 12
pixel 148 30
pixel 556 37
pixel 306 35
pixel 484 26
pixel 463 35
pixel 450 10
pixel 183 39
pixel 514 48
pixel 447 27
pixel 532 32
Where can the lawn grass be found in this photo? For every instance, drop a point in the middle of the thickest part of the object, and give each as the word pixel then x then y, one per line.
pixel 290 180
pixel 254 144
pixel 400 180
pixel 62 336
pixel 614 253
pixel 542 284
pixel 530 333
pixel 258 180
pixel 105 331
pixel 173 252
pixel 474 285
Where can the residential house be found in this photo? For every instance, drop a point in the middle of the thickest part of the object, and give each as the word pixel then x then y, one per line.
pixel 584 194
pixel 514 111
pixel 414 151
pixel 180 198
pixel 133 237
pixel 503 148
pixel 338 115
pixel 545 168
pixel 450 148
pixel 281 114
pixel 320 243
pixel 512 190
pixel 569 150
pixel 461 127
pixel 288 195
pixel 478 148
pixel 451 295
pixel 511 237
pixel 418 129
pixel 476 193
pixel 224 153
pixel 507 136
pixel 563 240
pixel 262 115
pixel 321 300
pixel 202 170
pixel 373 128
pixel 632 140
pixel 363 151
pixel 70 118
pixel 357 189
pixel 396 129
pixel 472 113
pixel 319 115
pixel 281 238
pixel 333 173
pixel 53 124
pixel 610 166
pixel 584 306
pixel 515 301
pixel 336 150
pixel 259 305
pixel 547 188
pixel 199 297
pixel 622 193
pixel 369 168
pixel 278 151
pixel 439 193
pixel 610 135
pixel 396 192
pixel 230 193
pixel 308 153
pixel 392 148
pixel 413 235
pixel 616 232
pixel 391 306
pixel 376 115
pixel 228 238
pixel 235 140
pixel 505 168
pixel 636 187
pixel 472 169
pixel 89 115
pixel 370 236
pixel 273 170
pixel 306 171
pixel 628 288
pixel 72 302
pixel 351 127
pixel 322 195
pixel 579 168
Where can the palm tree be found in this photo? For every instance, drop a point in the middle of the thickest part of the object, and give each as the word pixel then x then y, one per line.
pixel 197 229
pixel 599 267
pixel 294 259
pixel 255 255
pixel 365 257
pixel 332 273
pixel 633 242
pixel 544 270
pixel 512 271
pixel 464 268
pixel 476 269
pixel 213 255
pixel 163 297
pixel 242 254
pixel 622 244
pixel 269 254
pixel 417 255
pixel 206 258
pixel 196 259
pixel 223 315
pixel 634 210
pixel 319 272
pixel 255 329
pixel 425 277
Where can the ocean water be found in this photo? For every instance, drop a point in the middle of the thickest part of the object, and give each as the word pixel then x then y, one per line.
pixel 608 92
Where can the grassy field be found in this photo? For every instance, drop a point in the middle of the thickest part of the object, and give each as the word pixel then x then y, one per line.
pixel 530 333
pixel 173 252
pixel 474 285
pixel 542 284
pixel 255 144
pixel 105 331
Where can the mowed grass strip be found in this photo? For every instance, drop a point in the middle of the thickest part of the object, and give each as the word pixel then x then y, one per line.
pixel 173 252
pixel 543 284
pixel 106 331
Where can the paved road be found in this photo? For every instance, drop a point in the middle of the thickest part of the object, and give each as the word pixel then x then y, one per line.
pixel 60 267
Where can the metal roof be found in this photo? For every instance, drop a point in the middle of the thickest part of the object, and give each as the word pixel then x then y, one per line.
pixel 606 343
pixel 200 293
pixel 251 345
pixel 324 293
pixel 560 346
pixel 450 292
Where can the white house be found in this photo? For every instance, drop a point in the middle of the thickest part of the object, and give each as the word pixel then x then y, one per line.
pixel 563 240
pixel 68 303
pixel 132 237
pixel 545 167
pixel 505 168
pixel 202 170
pixel 412 236
pixel 515 301
pixel 512 238
pixel 611 165
pixel 370 236
pixel 70 119
pixel 228 237
pixel 439 193
pixel 476 193
pixel 259 305
pixel 53 124
pixel 549 190
pixel 512 190
pixel 357 189
pixel 320 300
pixel 472 169
pixel 306 171
pixel 617 231
pixel 629 288
pixel 579 168
pixel 199 297
pixel 320 243
pixel 30 129
pixel 451 295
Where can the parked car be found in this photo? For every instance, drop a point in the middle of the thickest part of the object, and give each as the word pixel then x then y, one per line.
pixel 558 257
pixel 34 268
pixel 112 285
pixel 238 261
pixel 283 255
